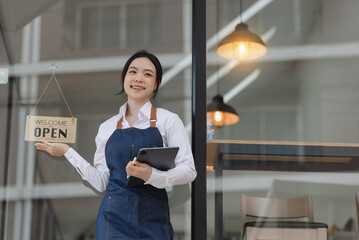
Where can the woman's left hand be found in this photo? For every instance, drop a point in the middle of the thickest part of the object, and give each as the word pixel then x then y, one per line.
pixel 55 149
pixel 140 170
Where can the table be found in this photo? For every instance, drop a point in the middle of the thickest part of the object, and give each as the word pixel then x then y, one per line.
pixel 275 156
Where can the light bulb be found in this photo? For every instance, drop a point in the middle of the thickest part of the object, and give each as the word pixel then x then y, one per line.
pixel 242 48
pixel 218 116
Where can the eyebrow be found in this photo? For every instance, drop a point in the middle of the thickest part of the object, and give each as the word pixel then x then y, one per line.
pixel 147 69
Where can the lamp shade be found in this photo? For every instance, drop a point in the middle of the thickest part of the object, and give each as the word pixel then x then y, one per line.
pixel 221 114
pixel 242 45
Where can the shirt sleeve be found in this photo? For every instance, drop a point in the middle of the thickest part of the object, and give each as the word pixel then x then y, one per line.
pixel 97 175
pixel 184 170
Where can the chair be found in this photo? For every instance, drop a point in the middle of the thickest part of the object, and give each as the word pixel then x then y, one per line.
pixel 280 208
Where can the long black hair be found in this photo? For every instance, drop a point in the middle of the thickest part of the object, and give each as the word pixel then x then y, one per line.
pixel 153 59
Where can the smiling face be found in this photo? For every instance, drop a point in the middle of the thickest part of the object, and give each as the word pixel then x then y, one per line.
pixel 140 80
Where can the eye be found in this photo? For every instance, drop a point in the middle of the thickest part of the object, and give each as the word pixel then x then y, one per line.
pixel 148 74
pixel 132 71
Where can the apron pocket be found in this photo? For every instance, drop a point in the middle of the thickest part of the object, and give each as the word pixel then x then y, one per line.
pixel 122 217
pixel 154 219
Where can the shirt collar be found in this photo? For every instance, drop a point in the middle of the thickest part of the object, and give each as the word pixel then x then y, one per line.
pixel 145 111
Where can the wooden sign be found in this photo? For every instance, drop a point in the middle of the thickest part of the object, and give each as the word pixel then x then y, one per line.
pixel 52 129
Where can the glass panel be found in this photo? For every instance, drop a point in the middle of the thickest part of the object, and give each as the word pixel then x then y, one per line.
pixel 44 197
pixel 136 24
pixel 89 28
pixel 298 130
pixel 111 27
pixel 143 25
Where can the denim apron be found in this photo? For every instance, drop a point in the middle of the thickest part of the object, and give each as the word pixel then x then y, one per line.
pixel 132 213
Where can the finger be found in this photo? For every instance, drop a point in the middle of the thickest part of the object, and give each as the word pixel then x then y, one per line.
pixel 129 172
pixel 139 164
pixel 48 144
pixel 39 145
pixel 128 164
pixel 41 148
pixel 129 167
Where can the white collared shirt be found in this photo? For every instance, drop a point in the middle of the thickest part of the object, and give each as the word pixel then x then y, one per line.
pixel 173 135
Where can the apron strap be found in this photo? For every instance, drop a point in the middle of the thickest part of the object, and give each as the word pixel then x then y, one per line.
pixel 119 123
pixel 153 119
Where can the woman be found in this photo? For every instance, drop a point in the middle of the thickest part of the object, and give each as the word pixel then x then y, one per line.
pixel 142 212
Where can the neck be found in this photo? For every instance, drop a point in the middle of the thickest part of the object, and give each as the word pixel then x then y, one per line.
pixel 133 107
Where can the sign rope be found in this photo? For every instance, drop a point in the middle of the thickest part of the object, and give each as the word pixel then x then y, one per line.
pixel 54 68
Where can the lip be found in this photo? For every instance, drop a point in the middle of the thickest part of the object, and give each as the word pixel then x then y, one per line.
pixel 137 87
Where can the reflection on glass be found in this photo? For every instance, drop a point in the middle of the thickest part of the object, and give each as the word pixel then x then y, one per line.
pixel 307 92
pixel 4 75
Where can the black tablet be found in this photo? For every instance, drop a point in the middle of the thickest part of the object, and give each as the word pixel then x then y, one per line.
pixel 161 158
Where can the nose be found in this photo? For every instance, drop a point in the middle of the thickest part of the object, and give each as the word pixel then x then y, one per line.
pixel 138 79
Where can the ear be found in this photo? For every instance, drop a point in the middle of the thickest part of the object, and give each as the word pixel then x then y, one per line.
pixel 154 91
pixel 156 88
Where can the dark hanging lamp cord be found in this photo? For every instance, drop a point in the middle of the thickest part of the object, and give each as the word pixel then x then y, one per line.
pixel 240 10
pixel 229 115
pixel 217 30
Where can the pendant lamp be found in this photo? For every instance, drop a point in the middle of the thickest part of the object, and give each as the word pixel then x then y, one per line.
pixel 242 44
pixel 221 114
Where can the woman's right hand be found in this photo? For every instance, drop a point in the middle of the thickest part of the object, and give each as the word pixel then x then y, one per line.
pixel 54 149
